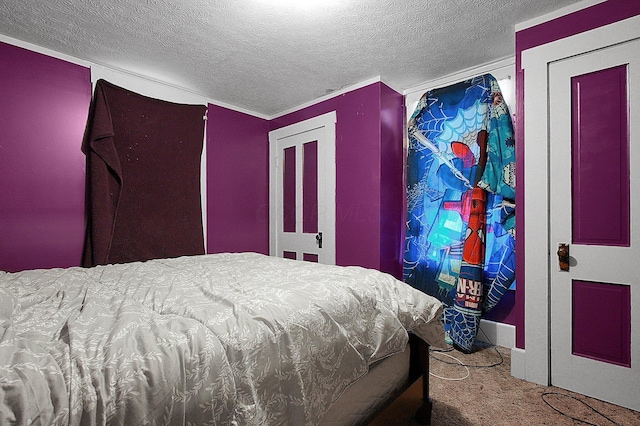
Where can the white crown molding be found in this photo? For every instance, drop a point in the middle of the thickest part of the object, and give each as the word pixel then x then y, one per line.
pixel 98 69
pixel 329 96
pixel 43 50
pixel 567 10
pixel 493 67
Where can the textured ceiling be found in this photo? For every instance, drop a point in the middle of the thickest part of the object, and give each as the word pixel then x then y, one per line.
pixel 268 59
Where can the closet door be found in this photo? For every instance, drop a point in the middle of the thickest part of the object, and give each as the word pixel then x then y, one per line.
pixel 594 139
pixel 302 190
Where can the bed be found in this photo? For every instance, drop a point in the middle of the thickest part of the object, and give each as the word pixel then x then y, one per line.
pixel 233 338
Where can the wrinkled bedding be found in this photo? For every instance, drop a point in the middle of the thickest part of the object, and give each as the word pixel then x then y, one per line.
pixel 225 339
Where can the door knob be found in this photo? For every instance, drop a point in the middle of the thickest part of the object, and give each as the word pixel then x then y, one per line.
pixel 319 239
pixel 563 256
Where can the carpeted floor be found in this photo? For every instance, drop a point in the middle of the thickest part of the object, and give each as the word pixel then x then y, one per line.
pixel 487 394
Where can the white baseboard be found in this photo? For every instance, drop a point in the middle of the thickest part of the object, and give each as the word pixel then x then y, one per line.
pixel 518 365
pixel 497 333
pixel 504 335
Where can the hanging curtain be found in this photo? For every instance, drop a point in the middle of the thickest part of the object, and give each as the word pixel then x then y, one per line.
pixel 143 178
pixel 460 237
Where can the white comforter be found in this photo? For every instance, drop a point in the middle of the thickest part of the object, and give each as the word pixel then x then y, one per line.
pixel 215 339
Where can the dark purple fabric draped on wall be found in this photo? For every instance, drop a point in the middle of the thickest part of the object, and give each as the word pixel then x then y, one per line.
pixel 143 178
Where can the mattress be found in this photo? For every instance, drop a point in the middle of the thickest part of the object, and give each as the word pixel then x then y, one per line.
pixel 216 339
pixel 369 394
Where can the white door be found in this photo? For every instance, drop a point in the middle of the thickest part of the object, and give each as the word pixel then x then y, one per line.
pixel 594 142
pixel 302 190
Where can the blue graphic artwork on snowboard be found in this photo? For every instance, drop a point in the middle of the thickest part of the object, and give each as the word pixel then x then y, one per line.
pixel 460 237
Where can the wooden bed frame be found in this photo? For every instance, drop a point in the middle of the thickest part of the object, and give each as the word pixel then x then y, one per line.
pixel 419 367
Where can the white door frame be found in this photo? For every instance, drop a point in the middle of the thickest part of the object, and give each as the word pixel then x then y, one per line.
pixel 326 124
pixel 539 254
pixel 601 265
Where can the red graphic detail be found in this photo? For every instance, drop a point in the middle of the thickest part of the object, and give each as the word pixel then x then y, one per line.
pixel 463 152
pixel 468 293
pixel 463 206
pixel 473 252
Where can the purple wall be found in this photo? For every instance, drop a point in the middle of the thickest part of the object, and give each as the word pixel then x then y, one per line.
pixel 392 188
pixel 42 220
pixel 368 147
pixel 565 26
pixel 43 112
pixel 237 182
pixel 504 311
